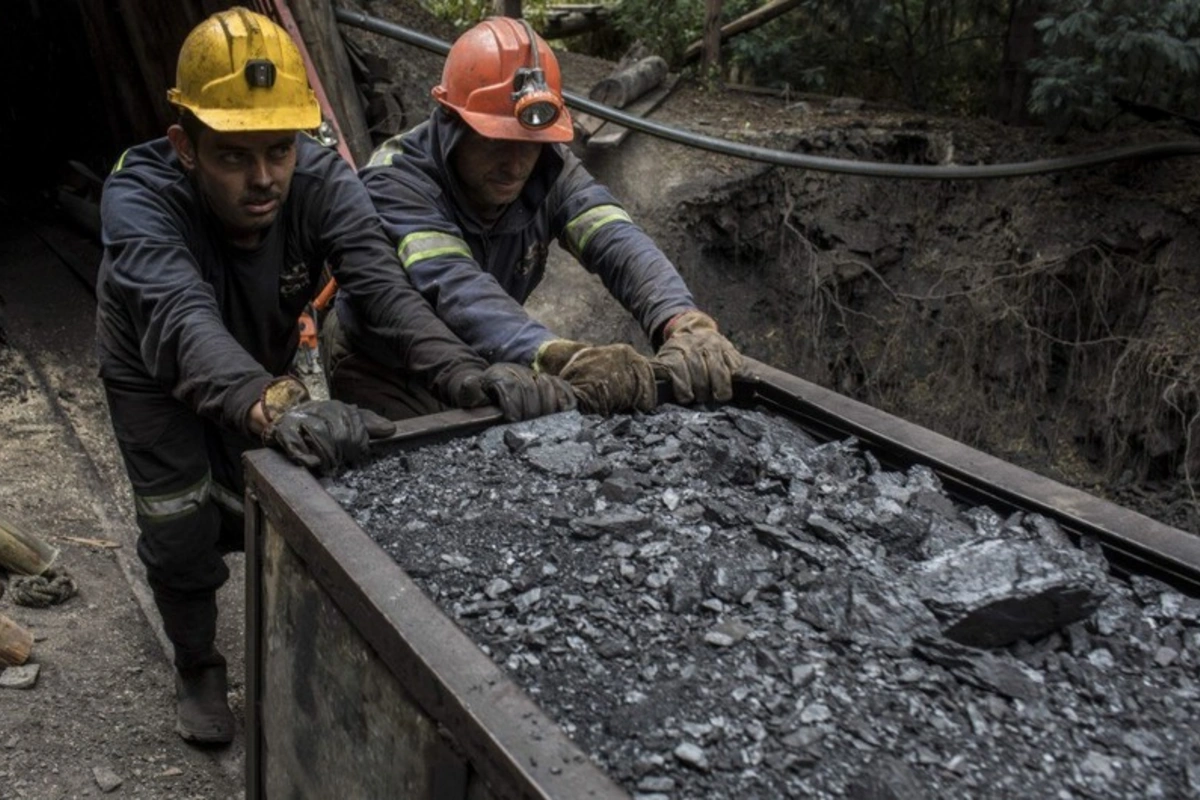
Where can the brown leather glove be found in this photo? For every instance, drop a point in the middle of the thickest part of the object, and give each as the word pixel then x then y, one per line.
pixel 606 379
pixel 698 360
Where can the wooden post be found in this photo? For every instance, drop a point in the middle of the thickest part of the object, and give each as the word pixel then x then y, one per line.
pixel 15 643
pixel 319 30
pixel 22 552
pixel 507 8
pixel 712 36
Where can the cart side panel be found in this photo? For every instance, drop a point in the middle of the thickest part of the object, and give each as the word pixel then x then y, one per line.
pixel 335 722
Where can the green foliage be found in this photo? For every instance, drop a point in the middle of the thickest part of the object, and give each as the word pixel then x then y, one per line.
pixel 929 53
pixel 666 28
pixel 462 14
pixel 1096 50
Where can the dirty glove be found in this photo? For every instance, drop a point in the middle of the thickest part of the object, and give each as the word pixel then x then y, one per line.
pixel 522 393
pixel 606 378
pixel 699 361
pixel 324 435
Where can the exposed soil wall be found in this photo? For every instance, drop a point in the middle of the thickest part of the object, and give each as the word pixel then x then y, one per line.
pixel 1048 320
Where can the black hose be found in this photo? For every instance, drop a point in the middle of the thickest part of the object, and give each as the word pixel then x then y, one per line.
pixel 785 158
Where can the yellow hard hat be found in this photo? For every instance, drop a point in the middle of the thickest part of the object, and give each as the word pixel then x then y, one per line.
pixel 239 71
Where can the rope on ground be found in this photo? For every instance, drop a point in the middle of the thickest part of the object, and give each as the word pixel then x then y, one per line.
pixel 39 591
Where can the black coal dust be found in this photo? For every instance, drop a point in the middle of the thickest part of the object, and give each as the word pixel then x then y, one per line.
pixel 713 604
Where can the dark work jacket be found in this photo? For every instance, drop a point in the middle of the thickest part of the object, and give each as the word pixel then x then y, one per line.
pixel 182 311
pixel 478 277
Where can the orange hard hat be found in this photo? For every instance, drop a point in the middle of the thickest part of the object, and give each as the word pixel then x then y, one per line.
pixel 504 81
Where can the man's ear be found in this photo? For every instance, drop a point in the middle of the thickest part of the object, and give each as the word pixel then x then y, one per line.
pixel 184 148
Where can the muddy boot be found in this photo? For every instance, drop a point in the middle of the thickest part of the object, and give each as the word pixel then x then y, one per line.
pixel 202 705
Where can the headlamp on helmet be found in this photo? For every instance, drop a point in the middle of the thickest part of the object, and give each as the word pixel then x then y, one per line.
pixel 534 105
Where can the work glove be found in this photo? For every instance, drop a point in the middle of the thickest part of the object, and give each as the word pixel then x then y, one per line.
pixel 522 393
pixel 606 379
pixel 699 362
pixel 323 435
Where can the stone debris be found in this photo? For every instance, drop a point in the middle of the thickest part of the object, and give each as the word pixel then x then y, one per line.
pixel 106 779
pixel 714 604
pixel 22 677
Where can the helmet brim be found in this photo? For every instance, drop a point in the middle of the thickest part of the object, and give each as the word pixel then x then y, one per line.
pixel 510 128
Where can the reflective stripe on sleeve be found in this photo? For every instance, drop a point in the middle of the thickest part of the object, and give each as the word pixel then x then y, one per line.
pixel 382 155
pixel 581 229
pixel 226 499
pixel 166 507
pixel 120 162
pixel 429 244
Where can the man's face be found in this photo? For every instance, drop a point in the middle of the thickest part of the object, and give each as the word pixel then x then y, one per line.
pixel 492 171
pixel 244 176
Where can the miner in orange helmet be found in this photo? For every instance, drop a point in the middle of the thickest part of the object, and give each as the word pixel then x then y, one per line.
pixel 472 198
pixel 215 238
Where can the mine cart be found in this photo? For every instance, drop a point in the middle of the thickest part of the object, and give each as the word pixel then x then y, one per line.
pixel 359 686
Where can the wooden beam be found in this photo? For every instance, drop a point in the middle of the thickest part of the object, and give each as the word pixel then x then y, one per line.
pixel 712 35
pixel 744 23
pixel 23 553
pixel 318 29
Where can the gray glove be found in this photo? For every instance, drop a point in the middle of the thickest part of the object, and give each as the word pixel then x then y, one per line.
pixel 522 393
pixel 607 378
pixel 326 435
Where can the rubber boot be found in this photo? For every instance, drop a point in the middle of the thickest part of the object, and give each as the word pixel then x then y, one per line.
pixel 201 686
pixel 202 705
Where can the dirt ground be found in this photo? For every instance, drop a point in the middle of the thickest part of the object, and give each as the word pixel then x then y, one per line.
pixel 882 290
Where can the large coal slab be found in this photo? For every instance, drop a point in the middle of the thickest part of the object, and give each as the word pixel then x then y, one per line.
pixel 714 604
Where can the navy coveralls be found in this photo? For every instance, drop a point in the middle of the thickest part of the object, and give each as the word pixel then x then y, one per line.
pixel 191 329
pixel 479 276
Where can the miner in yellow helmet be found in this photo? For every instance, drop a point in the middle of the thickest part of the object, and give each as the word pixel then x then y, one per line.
pixel 215 238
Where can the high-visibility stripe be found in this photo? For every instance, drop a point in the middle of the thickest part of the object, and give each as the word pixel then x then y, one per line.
pixel 120 161
pixel 581 229
pixel 429 244
pixel 382 155
pixel 166 507
pixel 223 497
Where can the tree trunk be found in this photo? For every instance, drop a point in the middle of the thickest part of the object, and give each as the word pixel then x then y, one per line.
pixel 622 88
pixel 1022 43
pixel 507 8
pixel 712 36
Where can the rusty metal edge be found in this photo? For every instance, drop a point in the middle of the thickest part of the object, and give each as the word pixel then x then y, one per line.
pixel 509 740
pixel 255 789
pixel 1169 552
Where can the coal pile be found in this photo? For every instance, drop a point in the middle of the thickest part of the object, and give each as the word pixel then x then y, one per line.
pixel 713 604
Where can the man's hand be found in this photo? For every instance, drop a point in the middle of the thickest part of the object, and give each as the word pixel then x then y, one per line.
pixel 324 435
pixel 698 360
pixel 522 393
pixel 607 379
